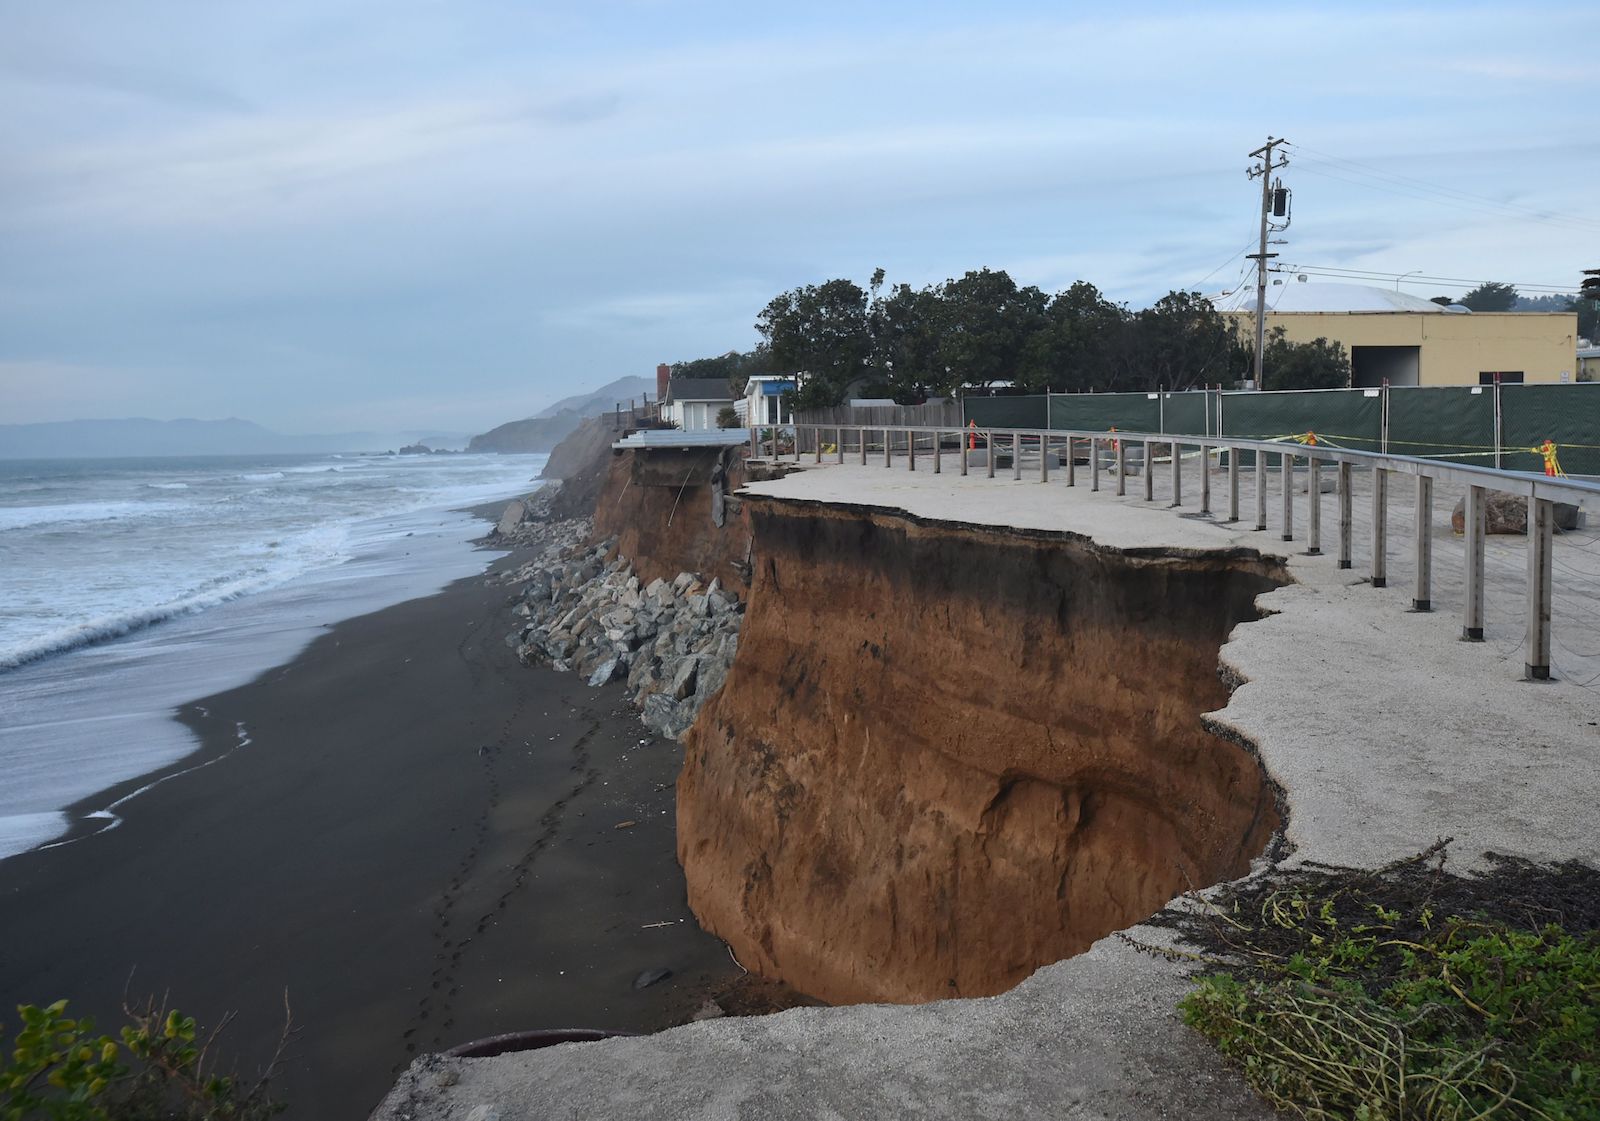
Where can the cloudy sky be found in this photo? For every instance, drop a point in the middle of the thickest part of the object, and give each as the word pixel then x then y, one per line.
pixel 326 215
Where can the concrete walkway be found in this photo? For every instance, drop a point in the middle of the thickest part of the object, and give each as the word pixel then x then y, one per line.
pixel 1384 730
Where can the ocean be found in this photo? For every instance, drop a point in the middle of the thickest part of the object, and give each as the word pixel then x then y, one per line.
pixel 131 586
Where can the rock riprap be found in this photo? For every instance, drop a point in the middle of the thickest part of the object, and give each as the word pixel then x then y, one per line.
pixel 672 641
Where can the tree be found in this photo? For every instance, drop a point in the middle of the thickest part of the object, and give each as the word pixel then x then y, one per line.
pixel 735 365
pixel 819 331
pixel 1318 364
pixel 1072 349
pixel 1182 342
pixel 985 322
pixel 905 341
pixel 1491 296
pixel 727 417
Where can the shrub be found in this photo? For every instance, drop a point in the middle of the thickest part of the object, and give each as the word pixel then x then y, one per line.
pixel 157 1070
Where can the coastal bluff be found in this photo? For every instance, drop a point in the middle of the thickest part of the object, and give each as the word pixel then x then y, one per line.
pixel 947 755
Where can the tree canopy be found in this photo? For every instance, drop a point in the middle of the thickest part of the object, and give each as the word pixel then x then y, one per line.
pixel 1491 296
pixel 982 327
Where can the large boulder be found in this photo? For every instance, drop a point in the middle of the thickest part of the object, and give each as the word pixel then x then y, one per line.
pixel 511 518
pixel 1508 513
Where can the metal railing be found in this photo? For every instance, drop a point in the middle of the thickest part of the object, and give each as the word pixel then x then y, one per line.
pixel 1109 451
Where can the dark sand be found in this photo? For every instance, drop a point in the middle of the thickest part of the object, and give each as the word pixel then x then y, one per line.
pixel 420 844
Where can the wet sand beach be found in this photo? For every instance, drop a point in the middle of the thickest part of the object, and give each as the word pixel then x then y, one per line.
pixel 422 842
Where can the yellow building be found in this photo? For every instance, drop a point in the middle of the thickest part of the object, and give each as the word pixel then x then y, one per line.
pixel 1410 341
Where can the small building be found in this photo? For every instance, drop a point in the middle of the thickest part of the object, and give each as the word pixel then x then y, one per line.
pixel 1405 340
pixel 1589 363
pixel 763 402
pixel 693 403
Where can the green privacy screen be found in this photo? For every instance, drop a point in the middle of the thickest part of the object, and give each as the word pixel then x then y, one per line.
pixel 1007 412
pixel 1101 412
pixel 1345 418
pixel 1567 414
pixel 1439 422
pixel 1454 422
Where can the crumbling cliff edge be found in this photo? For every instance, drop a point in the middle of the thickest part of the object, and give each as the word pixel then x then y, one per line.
pixel 949 754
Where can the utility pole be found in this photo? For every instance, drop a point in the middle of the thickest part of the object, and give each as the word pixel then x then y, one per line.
pixel 1264 167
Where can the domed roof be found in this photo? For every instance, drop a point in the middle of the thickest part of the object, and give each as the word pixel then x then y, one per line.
pixel 1289 294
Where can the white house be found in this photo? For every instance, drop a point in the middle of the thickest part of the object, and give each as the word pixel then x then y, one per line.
pixel 763 404
pixel 693 403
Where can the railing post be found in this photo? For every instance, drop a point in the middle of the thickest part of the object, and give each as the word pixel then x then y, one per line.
pixel 774 443
pixel 1380 527
pixel 1233 484
pixel 1346 518
pixel 1541 528
pixel 887 453
pixel 988 450
pixel 1149 470
pixel 755 443
pixel 838 446
pixel 911 449
pixel 1205 478
pixel 1072 463
pixel 817 435
pixel 1094 463
pixel 863 433
pixel 1016 457
pixel 1286 468
pixel 1261 489
pixel 965 440
pixel 1476 527
pixel 938 466
pixel 1122 466
pixel 1422 600
pixel 1177 473
pixel 1044 457
pixel 796 443
pixel 1314 510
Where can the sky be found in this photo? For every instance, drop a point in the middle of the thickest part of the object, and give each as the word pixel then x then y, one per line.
pixel 338 215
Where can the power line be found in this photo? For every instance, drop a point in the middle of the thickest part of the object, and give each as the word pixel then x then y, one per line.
pixel 1448 281
pixel 1305 164
pixel 1442 193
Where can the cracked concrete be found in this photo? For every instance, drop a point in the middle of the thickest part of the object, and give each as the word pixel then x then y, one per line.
pixel 1382 728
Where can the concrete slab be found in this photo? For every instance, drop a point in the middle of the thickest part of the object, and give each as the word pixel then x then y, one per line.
pixel 1384 730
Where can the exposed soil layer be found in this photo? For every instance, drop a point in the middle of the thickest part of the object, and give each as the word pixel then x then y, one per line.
pixel 947 755
pixel 658 505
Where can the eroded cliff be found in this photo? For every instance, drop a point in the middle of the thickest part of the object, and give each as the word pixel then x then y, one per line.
pixel 658 505
pixel 947 755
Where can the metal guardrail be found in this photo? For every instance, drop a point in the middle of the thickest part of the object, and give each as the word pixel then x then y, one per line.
pixel 1541 491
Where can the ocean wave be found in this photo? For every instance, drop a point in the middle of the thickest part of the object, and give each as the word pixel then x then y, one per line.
pixel 323 546
pixel 23 517
pixel 262 476
pixel 168 486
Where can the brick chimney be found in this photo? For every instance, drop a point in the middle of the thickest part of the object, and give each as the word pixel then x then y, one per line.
pixel 663 375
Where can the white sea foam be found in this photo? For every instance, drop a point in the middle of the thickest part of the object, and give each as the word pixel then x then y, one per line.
pixel 24 517
pixel 122 598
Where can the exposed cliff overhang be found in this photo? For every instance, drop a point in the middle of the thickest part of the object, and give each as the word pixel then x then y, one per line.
pixel 949 754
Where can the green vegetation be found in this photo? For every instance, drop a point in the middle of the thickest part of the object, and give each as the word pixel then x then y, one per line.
pixel 1408 993
pixel 912 343
pixel 157 1070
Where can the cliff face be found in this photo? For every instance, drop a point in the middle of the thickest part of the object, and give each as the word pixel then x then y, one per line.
pixel 657 504
pixel 948 755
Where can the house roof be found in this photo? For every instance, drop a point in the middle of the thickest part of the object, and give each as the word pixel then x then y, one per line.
pixel 1316 296
pixel 699 389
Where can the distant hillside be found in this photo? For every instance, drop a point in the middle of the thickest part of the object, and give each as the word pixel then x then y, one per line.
pixel 537 434
pixel 543 432
pixel 602 400
pixel 140 436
